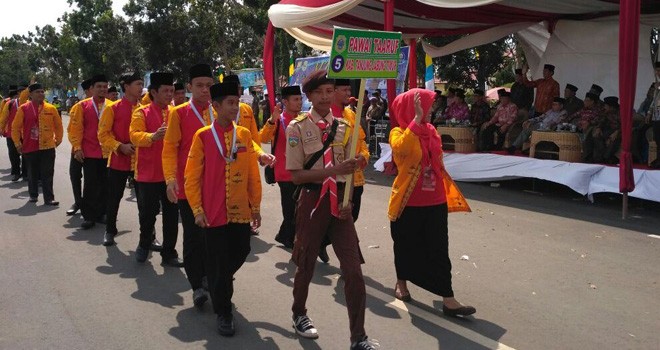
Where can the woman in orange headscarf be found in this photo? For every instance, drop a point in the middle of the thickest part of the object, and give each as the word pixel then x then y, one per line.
pixel 419 201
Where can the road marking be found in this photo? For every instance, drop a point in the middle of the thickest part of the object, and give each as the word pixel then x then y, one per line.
pixel 654 236
pixel 439 321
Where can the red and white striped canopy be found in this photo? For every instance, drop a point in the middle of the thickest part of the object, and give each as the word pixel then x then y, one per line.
pixel 311 21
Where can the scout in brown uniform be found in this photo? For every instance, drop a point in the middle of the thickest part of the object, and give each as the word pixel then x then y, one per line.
pixel 318 211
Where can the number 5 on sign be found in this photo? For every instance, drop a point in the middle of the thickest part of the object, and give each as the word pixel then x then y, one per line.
pixel 361 54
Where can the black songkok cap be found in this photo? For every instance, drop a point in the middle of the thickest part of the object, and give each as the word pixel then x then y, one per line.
pixel 224 89
pixel 200 70
pixel 13 87
pixel 314 80
pixel 612 101
pixel 342 82
pixel 162 78
pixel 572 87
pixel 596 89
pixel 479 92
pixel 460 93
pixel 293 90
pixel 231 78
pixel 549 67
pixel 592 96
pixel 500 92
pixel 86 84
pixel 518 71
pixel 178 86
pixel 504 93
pixel 35 86
pixel 99 78
pixel 130 77
pixel 112 89
pixel 13 93
pixel 558 100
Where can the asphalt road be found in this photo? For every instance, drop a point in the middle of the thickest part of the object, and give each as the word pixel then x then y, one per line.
pixel 546 270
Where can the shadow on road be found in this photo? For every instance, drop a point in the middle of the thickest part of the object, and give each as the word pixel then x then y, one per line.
pixel 30 209
pixel 159 289
pixel 257 247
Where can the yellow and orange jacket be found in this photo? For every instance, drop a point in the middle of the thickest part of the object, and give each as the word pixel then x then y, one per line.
pixel 246 119
pixel 146 120
pixel 362 148
pixel 50 127
pixel 23 97
pixel 407 155
pixel 182 124
pixel 242 178
pixel 83 130
pixel 114 131
pixel 7 115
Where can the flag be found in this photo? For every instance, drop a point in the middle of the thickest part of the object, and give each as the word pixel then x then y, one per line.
pixel 291 64
pixel 429 76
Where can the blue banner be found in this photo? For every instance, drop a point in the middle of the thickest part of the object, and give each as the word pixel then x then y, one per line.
pixel 251 77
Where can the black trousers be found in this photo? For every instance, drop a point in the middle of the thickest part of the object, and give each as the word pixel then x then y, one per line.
pixel 14 158
pixel 656 132
pixel 487 140
pixel 75 175
pixel 194 253
pixel 227 247
pixel 421 248
pixel 357 203
pixel 152 196
pixel 95 190
pixel 288 227
pixel 41 166
pixel 116 185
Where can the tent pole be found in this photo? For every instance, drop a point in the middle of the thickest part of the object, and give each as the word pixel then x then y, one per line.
pixel 389 26
pixel 412 64
pixel 624 211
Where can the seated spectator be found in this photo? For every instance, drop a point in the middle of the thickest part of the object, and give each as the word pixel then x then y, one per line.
pixel 587 116
pixel 504 117
pixel 458 110
pixel 572 103
pixel 438 109
pixel 546 121
pixel 603 141
pixel 480 110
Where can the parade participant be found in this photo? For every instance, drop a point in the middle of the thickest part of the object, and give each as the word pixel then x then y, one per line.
pixel 223 187
pixel 83 135
pixel 7 115
pixel 275 132
pixel 418 204
pixel 75 166
pixel 147 130
pixel 36 131
pixel 179 96
pixel 182 123
pixel 546 89
pixel 318 212
pixel 340 110
pixel 113 94
pixel 114 136
pixel 245 118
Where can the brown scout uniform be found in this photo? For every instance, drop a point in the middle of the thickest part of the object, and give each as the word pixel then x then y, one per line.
pixel 304 138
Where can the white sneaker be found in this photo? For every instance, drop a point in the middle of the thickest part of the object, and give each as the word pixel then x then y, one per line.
pixel 305 327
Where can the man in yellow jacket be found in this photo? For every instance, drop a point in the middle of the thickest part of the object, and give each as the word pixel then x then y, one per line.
pixel 75 166
pixel 36 131
pixel 7 115
pixel 223 187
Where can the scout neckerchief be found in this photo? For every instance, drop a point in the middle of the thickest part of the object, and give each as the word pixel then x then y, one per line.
pixel 232 150
pixel 330 182
pixel 199 116
pixel 96 108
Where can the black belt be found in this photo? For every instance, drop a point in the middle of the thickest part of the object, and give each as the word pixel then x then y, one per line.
pixel 317 187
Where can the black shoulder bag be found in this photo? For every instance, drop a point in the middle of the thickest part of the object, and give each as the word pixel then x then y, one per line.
pixel 310 163
pixel 269 171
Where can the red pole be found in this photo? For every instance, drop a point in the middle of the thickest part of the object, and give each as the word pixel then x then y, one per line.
pixel 412 64
pixel 389 26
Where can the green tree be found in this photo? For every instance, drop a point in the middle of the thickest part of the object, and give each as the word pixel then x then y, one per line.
pixel 19 60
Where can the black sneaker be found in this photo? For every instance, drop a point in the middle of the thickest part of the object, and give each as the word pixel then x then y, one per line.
pixel 305 327
pixel 141 254
pixel 226 325
pixel 109 239
pixel 363 344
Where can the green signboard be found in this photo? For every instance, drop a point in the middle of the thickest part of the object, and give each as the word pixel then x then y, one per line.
pixel 360 54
